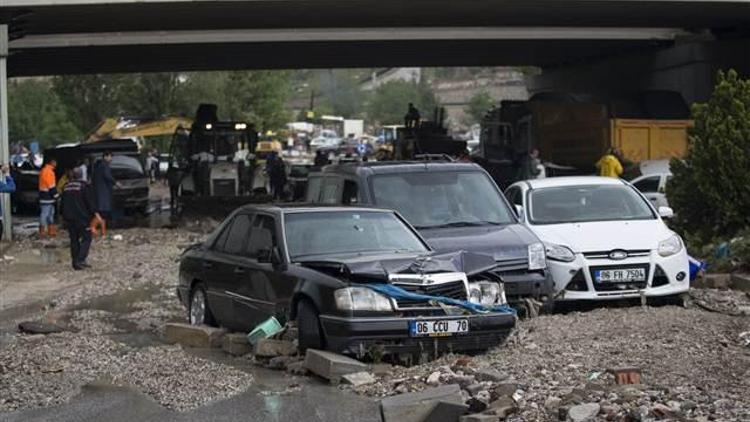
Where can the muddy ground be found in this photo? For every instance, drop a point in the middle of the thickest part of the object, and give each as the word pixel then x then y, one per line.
pixel 695 361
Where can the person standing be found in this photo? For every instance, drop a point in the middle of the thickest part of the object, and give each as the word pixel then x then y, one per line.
pixel 412 117
pixel 7 185
pixel 47 199
pixel 104 185
pixel 609 165
pixel 529 166
pixel 78 209
pixel 277 177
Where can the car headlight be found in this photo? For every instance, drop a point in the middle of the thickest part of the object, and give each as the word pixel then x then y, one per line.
pixel 670 246
pixel 361 299
pixel 537 260
pixel 559 252
pixel 487 293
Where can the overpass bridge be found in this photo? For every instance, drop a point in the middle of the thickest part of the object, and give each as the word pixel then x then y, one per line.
pixel 578 43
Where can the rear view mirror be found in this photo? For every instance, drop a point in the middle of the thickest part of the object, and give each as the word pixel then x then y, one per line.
pixel 666 212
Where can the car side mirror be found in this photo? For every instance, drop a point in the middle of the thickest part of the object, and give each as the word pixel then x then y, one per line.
pixel 666 212
pixel 519 212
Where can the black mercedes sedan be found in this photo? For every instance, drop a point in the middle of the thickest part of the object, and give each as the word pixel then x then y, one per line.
pixel 354 279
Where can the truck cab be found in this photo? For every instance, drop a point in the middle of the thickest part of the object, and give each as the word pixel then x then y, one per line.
pixel 454 206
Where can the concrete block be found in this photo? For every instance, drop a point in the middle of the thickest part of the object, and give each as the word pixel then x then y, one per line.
pixel 236 344
pixel 479 417
pixel 357 379
pixel 194 335
pixel 331 366
pixel 446 412
pixel 415 407
pixel 741 282
pixel 267 347
pixel 713 281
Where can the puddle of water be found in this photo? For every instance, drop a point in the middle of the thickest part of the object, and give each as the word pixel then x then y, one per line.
pixel 35 257
pixel 122 302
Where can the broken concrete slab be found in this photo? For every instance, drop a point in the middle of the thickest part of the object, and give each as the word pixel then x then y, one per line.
pixel 268 348
pixel 583 412
pixel 194 335
pixel 357 379
pixel 39 327
pixel 297 368
pixel 331 366
pixel 446 412
pixel 503 406
pixel 479 417
pixel 713 281
pixel 415 407
pixel 490 374
pixel 741 282
pixel 236 344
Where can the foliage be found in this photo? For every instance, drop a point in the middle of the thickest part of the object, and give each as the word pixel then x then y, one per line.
pixel 724 255
pixel 36 113
pixel 710 190
pixel 389 102
pixel 477 107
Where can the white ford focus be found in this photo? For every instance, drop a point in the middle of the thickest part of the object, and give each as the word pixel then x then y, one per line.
pixel 603 238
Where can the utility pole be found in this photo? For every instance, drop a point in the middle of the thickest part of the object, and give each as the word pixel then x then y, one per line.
pixel 4 141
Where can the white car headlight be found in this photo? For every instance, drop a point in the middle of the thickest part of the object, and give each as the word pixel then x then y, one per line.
pixel 559 252
pixel 670 246
pixel 487 293
pixel 537 260
pixel 361 299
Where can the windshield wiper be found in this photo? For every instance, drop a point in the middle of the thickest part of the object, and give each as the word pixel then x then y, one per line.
pixel 462 224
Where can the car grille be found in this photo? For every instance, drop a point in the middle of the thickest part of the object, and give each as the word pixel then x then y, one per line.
pixel 451 285
pixel 605 254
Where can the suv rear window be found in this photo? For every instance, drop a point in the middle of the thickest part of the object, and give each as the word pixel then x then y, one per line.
pixel 442 199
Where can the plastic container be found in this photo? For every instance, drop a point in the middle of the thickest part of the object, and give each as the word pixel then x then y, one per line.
pixel 265 329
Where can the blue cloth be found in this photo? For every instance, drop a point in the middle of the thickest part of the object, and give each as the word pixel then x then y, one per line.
pixel 7 185
pixel 398 293
pixel 695 267
pixel 103 186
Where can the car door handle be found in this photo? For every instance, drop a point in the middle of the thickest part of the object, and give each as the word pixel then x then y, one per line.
pixel 239 270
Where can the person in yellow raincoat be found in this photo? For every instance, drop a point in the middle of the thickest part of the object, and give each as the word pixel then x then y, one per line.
pixel 609 165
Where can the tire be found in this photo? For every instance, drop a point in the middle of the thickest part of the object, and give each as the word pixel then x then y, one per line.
pixel 199 312
pixel 310 334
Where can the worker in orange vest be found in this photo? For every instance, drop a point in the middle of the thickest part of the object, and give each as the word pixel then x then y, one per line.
pixel 47 199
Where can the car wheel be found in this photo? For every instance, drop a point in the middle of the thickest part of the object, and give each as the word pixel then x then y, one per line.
pixel 308 324
pixel 198 311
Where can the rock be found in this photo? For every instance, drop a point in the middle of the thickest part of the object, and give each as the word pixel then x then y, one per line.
pixel 688 405
pixel 433 379
pixel 415 407
pixel 583 412
pixel 462 380
pixel 483 396
pixel 357 379
pixel 473 389
pixel 331 366
pixel 297 368
pixel 552 403
pixel 741 282
pixel 279 362
pixel 446 412
pixel 476 405
pixel 489 374
pixel 503 406
pixel 38 327
pixel 267 347
pixel 194 335
pixel 505 389
pixel 381 368
pixel 479 417
pixel 661 411
pixel 236 344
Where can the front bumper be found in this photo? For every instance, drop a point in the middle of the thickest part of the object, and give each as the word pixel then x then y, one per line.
pixel 390 335
pixel 661 278
pixel 527 284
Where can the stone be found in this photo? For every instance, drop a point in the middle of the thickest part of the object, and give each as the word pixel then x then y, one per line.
pixel 415 407
pixel 236 344
pixel 503 406
pixel 713 281
pixel 193 335
pixel 583 412
pixel 297 368
pixel 661 411
pixel 357 379
pixel 688 405
pixel 433 379
pixel 473 389
pixel 381 368
pixel 446 412
pixel 479 417
pixel 38 327
pixel 489 374
pixel 476 405
pixel 741 282
pixel 267 347
pixel 552 403
pixel 505 389
pixel 462 380
pixel 331 366
pixel 279 362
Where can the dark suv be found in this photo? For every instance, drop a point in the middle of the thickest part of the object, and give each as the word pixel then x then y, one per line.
pixel 455 206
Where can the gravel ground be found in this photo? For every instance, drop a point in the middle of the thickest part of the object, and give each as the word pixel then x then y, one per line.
pixel 130 289
pixel 695 365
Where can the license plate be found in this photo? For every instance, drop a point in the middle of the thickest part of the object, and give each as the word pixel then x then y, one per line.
pixel 622 275
pixel 441 328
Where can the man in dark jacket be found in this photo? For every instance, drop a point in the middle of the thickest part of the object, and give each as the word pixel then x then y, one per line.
pixel 104 185
pixel 78 209
pixel 277 176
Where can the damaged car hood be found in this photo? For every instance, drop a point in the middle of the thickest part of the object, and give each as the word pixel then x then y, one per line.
pixel 503 243
pixel 376 268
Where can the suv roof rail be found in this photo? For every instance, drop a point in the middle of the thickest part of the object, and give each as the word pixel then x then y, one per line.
pixel 433 157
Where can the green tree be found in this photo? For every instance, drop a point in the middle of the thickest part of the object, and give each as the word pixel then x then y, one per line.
pixel 478 105
pixel 388 103
pixel 710 190
pixel 36 113
pixel 91 98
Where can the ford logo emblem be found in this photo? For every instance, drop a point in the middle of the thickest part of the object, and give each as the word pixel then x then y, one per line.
pixel 618 255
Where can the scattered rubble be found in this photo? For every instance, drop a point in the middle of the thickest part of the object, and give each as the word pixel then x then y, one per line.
pixel 725 301
pixel 415 407
pixel 331 366
pixel 194 335
pixel 267 347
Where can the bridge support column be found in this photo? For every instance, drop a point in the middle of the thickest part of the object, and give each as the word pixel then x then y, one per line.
pixel 4 141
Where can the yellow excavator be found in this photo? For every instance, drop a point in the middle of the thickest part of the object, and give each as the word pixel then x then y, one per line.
pixel 133 127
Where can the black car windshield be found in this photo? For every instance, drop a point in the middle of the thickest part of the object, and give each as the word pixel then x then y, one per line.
pixel 126 167
pixel 314 234
pixel 574 204
pixel 442 199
